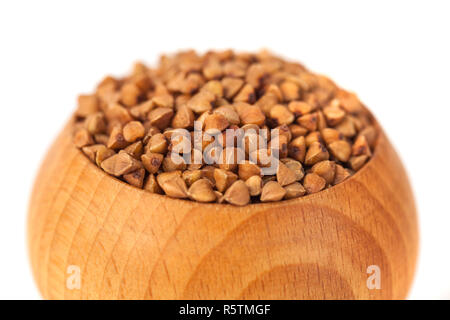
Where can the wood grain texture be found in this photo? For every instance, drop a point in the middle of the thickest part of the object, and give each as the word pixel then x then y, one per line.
pixel 130 244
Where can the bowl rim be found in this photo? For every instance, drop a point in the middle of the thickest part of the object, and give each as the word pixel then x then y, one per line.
pixel 380 140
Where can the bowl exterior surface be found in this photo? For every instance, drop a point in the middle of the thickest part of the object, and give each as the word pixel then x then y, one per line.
pixel 94 237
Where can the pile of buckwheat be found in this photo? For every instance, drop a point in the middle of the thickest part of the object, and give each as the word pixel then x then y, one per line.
pixel 225 127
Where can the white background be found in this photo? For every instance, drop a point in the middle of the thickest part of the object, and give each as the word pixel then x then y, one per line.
pixel 394 54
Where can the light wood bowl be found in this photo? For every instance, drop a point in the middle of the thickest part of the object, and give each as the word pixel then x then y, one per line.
pixel 131 244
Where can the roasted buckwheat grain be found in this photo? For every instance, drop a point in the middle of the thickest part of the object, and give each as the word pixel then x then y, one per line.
pixel 265 129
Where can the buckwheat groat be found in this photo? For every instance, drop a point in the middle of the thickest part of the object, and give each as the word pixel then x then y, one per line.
pixel 225 127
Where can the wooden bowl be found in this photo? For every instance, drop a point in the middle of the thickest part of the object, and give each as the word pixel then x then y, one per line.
pixel 130 244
